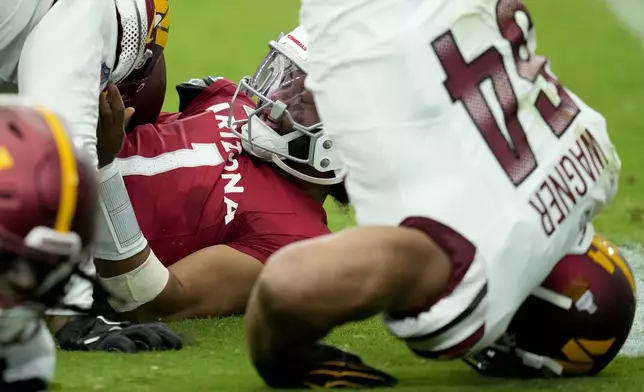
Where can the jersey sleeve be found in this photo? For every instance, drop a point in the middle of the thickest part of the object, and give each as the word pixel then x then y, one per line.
pixel 264 234
pixel 61 64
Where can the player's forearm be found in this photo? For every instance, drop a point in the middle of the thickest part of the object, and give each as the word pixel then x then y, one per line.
pixel 126 266
pixel 133 282
pixel 215 281
pixel 110 269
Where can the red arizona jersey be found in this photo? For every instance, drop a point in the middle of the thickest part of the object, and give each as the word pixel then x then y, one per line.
pixel 191 187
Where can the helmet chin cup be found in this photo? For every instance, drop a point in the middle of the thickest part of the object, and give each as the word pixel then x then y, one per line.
pixel 336 179
pixel 261 140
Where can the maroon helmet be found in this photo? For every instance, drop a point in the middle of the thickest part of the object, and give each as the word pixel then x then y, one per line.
pixel 47 206
pixel 148 101
pixel 139 56
pixel 574 324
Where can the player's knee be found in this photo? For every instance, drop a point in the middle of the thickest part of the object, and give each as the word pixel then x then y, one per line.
pixel 315 287
pixel 285 287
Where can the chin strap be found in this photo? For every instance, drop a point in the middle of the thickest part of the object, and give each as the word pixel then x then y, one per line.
pixel 503 361
pixel 540 362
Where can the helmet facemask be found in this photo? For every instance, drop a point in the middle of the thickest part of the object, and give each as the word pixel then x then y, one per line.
pixel 38 271
pixel 284 127
pixel 34 277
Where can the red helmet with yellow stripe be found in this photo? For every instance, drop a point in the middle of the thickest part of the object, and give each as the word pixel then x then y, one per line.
pixel 574 324
pixel 47 197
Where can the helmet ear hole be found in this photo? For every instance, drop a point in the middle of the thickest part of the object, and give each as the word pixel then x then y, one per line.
pixel 13 128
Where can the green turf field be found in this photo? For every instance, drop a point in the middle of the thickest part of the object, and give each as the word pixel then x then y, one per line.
pixel 590 51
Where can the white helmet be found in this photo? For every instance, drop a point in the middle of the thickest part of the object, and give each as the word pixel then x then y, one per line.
pixel 137 18
pixel 280 78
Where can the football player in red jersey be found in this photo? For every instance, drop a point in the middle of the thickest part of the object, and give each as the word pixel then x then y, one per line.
pixel 210 212
pixel 48 196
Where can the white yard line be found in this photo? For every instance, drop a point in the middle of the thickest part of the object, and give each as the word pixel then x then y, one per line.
pixel 634 346
pixel 630 13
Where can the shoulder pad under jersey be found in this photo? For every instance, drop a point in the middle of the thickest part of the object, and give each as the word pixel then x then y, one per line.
pixel 190 89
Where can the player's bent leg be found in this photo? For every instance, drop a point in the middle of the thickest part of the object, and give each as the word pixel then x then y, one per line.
pixel 310 287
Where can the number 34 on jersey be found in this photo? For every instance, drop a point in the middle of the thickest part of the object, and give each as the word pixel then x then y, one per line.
pixel 506 137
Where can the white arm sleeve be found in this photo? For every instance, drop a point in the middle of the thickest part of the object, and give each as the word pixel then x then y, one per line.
pixel 62 61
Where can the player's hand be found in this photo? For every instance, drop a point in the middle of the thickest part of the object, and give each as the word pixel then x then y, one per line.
pixel 322 366
pixel 112 122
pixel 99 334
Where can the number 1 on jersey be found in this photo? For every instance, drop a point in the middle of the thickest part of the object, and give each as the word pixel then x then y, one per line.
pixel 201 154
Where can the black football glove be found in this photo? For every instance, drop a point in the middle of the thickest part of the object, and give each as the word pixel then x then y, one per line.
pixel 90 333
pixel 322 366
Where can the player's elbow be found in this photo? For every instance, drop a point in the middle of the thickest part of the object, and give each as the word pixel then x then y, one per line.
pixel 173 303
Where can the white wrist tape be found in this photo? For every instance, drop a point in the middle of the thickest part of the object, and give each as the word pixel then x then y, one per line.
pixel 118 235
pixel 137 287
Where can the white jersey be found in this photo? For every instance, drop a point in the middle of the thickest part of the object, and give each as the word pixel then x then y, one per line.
pixel 449 122
pixel 60 56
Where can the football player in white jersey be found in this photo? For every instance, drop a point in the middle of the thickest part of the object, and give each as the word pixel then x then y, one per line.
pixel 472 171
pixel 47 222
pixel 63 53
